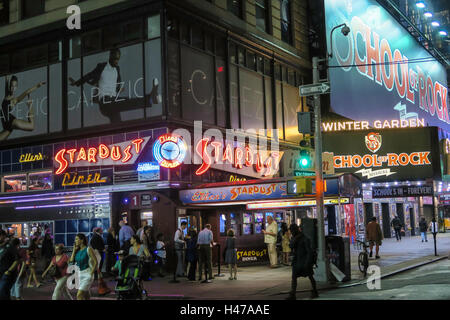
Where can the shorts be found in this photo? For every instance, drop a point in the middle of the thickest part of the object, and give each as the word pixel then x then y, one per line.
pixel 375 242
pixel 86 279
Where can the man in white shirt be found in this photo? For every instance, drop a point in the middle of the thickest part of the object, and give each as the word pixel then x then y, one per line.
pixel 270 238
pixel 179 249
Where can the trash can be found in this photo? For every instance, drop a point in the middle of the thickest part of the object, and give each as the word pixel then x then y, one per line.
pixel 337 249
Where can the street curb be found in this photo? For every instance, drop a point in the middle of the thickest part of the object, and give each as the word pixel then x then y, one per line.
pixel 383 276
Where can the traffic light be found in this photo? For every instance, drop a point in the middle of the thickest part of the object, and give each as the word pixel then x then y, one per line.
pixel 299 186
pixel 306 123
pixel 306 159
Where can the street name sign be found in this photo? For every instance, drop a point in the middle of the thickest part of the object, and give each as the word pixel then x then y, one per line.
pixel 313 89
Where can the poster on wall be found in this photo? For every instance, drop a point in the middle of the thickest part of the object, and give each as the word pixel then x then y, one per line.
pixel 379 70
pixel 350 224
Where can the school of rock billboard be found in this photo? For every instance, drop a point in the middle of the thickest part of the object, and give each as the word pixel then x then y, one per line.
pixel 385 155
pixel 379 71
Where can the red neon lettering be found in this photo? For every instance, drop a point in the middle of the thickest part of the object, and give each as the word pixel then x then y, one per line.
pixel 228 154
pixel 238 155
pixel 258 165
pixel 115 153
pixel 82 155
pixel 92 152
pixel 137 144
pixel 248 156
pixel 127 154
pixel 206 160
pixel 103 151
pixel 71 153
pixel 63 164
pixel 217 146
pixel 276 157
pixel 268 165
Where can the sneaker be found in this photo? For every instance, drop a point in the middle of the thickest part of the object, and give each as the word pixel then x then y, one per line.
pixel 235 278
pixel 206 281
pixel 377 257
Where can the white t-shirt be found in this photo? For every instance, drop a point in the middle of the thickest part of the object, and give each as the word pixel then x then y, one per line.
pixel 272 228
pixel 108 82
pixel 160 253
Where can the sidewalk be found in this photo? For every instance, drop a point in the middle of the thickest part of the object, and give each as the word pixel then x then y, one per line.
pixel 263 283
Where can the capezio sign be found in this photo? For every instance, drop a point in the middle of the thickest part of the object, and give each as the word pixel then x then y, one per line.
pixel 370 73
pixel 379 154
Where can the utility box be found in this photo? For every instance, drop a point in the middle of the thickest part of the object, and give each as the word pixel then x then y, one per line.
pixel 337 250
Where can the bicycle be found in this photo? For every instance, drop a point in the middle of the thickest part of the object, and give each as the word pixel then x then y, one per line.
pixel 363 257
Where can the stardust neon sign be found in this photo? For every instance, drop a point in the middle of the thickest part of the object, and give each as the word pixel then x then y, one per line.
pixel 238 157
pixel 92 155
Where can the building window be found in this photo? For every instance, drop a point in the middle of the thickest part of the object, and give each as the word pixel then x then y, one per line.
pixel 32 8
pixel 235 6
pixel 286 23
pixel 4 12
pixel 262 16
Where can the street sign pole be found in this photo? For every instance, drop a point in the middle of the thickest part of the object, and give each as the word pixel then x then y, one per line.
pixel 322 263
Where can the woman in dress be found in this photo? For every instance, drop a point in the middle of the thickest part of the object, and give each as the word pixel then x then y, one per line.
pixel 84 258
pixel 285 240
pixel 231 254
pixel 31 262
pixel 60 260
pixel 9 122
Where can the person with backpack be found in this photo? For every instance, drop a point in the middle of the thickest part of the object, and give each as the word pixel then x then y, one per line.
pixel 423 227
pixel 397 225
pixel 303 261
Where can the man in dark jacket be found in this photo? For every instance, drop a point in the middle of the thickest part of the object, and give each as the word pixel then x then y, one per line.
pixel 397 225
pixel 423 227
pixel 303 262
pixel 98 245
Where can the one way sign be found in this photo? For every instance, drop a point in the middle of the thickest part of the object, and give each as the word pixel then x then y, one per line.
pixel 312 89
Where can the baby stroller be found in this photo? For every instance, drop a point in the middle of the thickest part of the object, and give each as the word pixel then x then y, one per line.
pixel 129 284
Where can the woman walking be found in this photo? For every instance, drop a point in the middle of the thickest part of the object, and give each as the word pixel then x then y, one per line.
pixel 31 262
pixel 85 259
pixel 231 254
pixel 59 264
pixel 285 240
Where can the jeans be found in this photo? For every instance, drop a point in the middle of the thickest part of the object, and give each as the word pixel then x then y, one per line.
pixel 424 236
pixel 179 249
pixel 61 289
pixel 16 290
pixel 398 234
pixel 6 283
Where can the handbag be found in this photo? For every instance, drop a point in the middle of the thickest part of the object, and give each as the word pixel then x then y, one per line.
pixel 53 271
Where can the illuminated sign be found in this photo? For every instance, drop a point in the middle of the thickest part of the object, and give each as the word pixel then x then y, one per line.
pixel 288 204
pixel 402 191
pixel 148 171
pixel 379 70
pixel 264 163
pixel 399 155
pixel 123 153
pixel 234 178
pixel 169 150
pixel 251 255
pixel 147 167
pixel 377 124
pixel 29 157
pixel 75 179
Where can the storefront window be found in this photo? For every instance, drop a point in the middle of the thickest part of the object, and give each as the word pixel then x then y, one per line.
pixel 17 183
pixel 279 217
pixel 233 223
pixel 40 181
pixel 223 224
pixel 247 224
pixel 259 220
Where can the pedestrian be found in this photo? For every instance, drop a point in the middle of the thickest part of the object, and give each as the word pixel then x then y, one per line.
pixel 160 258
pixel 140 231
pixel 374 236
pixel 191 253
pixel 303 261
pixel 98 245
pixel 137 248
pixel 125 234
pixel 231 254
pixel 3 242
pixel 47 251
pixel 397 225
pixel 117 268
pixel 32 252
pixel 16 290
pixel 205 243
pixel 148 240
pixel 270 238
pixel 179 249
pixel 112 246
pixel 423 227
pixel 10 260
pixel 285 241
pixel 84 258
pixel 58 270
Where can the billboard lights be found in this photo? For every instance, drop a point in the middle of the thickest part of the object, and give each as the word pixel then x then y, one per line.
pixel 435 24
pixel 420 4
pixel 428 14
pixel 443 33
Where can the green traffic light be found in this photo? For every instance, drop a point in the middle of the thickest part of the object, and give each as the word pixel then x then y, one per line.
pixel 304 162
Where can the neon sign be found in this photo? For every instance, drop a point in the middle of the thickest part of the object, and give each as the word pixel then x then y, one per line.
pixel 378 124
pixel 92 155
pixel 75 179
pixel 238 157
pixel 29 157
pixel 169 150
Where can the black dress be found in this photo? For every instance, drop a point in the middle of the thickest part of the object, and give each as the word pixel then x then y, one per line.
pixel 230 253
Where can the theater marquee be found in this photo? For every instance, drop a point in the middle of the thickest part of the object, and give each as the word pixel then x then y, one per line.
pixel 385 155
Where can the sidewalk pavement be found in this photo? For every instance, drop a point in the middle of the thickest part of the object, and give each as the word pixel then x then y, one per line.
pixel 264 283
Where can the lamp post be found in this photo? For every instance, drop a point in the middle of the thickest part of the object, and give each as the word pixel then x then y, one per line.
pixel 323 266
